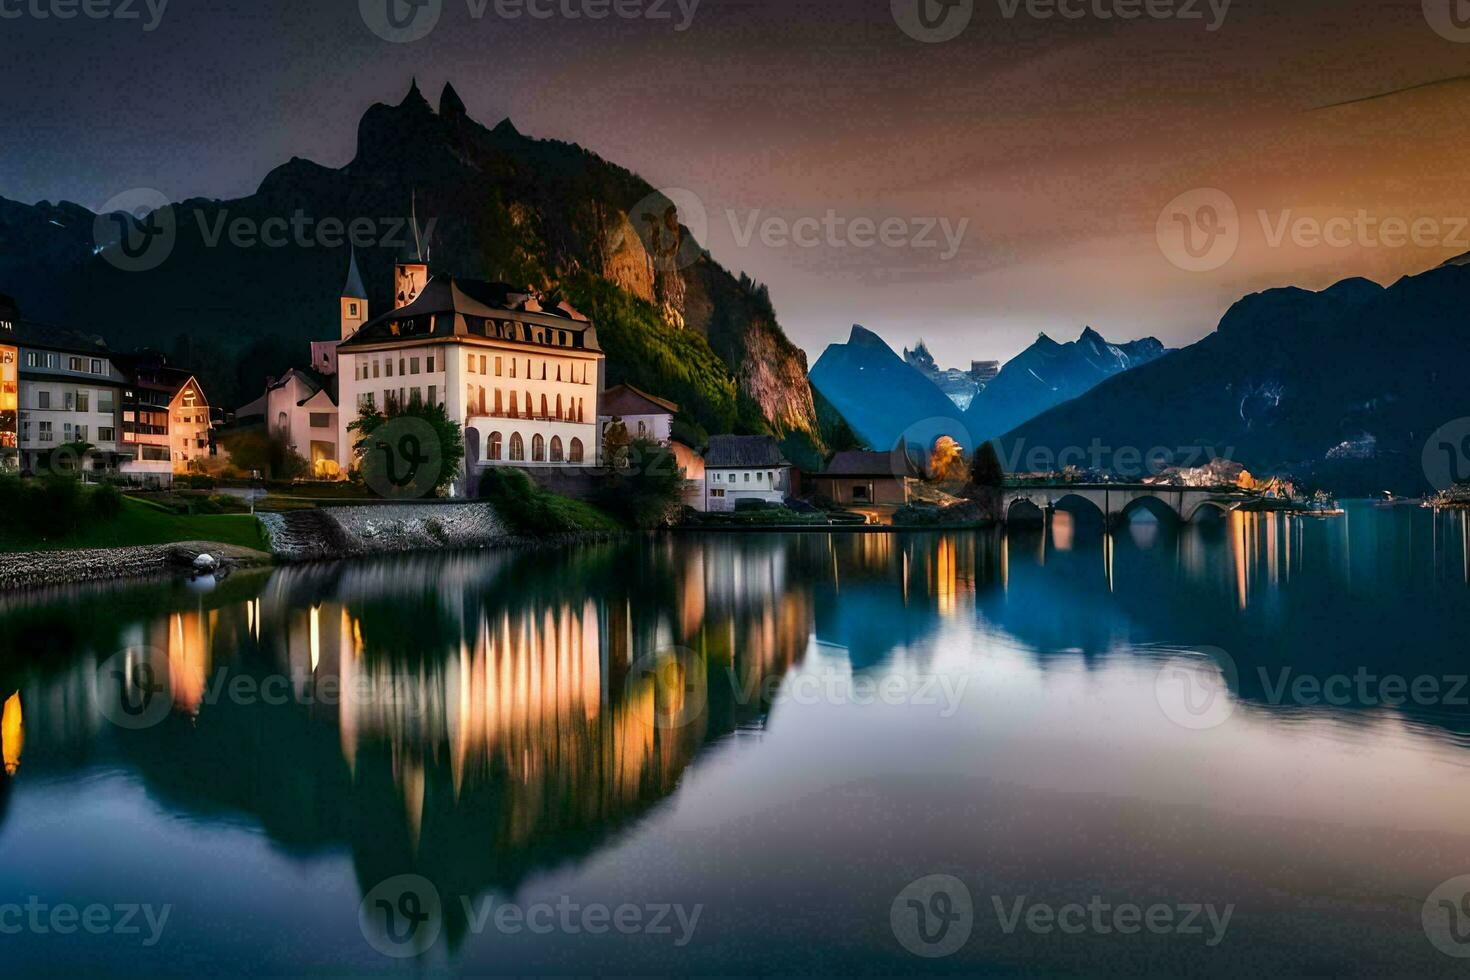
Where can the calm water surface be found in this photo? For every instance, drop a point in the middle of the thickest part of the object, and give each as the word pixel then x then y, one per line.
pixel 777 734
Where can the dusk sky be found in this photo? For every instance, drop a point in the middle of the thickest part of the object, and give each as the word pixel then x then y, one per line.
pixel 1054 144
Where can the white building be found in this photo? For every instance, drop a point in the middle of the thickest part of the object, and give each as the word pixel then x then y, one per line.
pixel 68 392
pixel 646 416
pixel 523 381
pixel 740 468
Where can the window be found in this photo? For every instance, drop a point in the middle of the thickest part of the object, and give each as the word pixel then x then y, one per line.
pixel 74 364
pixel 499 366
pixel 496 445
pixel 499 405
pixel 81 433
pixel 352 309
pixel 84 401
pixel 433 394
pixel 515 410
pixel 747 478
pixel 105 403
pixel 97 366
pixel 44 431
pixel 576 453
pixel 431 364
pixel 556 451
pixel 517 448
pixel 413 365
pixel 364 400
pixel 512 367
pixel 717 493
pixel 155 454
pixel 642 430
pixel 545 408
pixel 32 360
pixel 402 363
pixel 484 367
pixel 106 434
pixel 321 420
pixel 52 360
pixel 375 368
pixel 538 449
pixel 43 399
pixel 388 368
pixel 66 432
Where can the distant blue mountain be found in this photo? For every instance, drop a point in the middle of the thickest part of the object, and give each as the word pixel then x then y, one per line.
pixel 1047 374
pixel 878 393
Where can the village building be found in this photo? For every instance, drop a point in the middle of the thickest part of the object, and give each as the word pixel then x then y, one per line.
pixel 165 420
pixel 645 416
pixel 522 380
pixel 861 480
pixel 740 468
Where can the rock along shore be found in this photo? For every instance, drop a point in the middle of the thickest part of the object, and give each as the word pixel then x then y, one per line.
pixel 40 569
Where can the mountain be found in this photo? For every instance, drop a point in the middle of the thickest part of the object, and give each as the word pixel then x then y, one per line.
pixel 1343 387
pixel 1046 374
pixel 492 204
pixel 879 395
pixel 959 386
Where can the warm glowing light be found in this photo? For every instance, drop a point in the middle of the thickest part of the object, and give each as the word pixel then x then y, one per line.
pixel 12 733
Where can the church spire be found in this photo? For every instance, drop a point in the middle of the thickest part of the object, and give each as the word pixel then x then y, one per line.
pixel 354 289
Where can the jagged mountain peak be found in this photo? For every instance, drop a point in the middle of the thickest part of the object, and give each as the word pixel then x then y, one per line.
pixel 861 336
pixel 451 106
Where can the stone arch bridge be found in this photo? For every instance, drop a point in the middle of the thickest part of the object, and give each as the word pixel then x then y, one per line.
pixel 1117 501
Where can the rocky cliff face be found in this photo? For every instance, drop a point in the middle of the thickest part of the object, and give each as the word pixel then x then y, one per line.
pixel 494 204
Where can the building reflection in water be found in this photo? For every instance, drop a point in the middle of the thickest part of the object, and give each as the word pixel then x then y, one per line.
pixel 480 718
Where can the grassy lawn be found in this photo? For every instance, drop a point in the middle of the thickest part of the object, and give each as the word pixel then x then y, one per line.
pixel 140 523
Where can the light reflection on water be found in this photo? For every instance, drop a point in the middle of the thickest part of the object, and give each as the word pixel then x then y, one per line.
pixel 638 720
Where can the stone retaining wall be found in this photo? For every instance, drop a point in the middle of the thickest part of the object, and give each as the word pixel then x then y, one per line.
pixel 340 532
pixel 34 569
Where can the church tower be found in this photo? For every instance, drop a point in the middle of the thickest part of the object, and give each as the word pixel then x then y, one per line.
pixel 354 300
pixel 411 273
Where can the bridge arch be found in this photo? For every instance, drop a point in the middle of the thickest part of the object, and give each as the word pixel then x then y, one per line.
pixel 1022 511
pixel 1159 508
pixel 1083 509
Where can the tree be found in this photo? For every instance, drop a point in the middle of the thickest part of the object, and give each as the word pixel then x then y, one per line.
pixel 268 453
pixel 646 492
pixel 409 450
pixel 615 443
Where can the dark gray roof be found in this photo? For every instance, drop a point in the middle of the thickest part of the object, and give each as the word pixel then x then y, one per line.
pixel 739 451
pixel 857 462
pixel 450 308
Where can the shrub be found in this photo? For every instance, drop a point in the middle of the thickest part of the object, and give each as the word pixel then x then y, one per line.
pixel 56 503
pixel 648 493
pixel 106 502
pixel 529 509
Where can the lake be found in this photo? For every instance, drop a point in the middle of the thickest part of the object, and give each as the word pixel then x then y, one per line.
pixel 1215 749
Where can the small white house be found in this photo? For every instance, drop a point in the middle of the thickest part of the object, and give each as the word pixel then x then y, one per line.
pixel 740 468
pixel 646 416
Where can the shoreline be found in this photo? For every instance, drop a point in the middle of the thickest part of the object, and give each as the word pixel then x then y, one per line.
pixel 26 571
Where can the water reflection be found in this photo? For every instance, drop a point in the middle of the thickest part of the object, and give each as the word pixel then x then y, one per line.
pixel 478 719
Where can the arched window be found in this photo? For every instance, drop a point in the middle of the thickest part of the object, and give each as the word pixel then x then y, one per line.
pixel 515 411
pixel 559 413
pixel 538 449
pixel 556 455
pixel 576 455
pixel 496 446
pixel 283 422
pixel 517 448
pixel 530 407
pixel 545 408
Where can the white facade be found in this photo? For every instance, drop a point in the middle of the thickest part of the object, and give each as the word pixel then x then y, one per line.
pixel 64 398
pixel 725 486
pixel 306 416
pixel 486 387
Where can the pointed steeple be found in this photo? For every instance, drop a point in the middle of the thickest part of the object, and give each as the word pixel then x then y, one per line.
pixel 413 249
pixel 354 288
